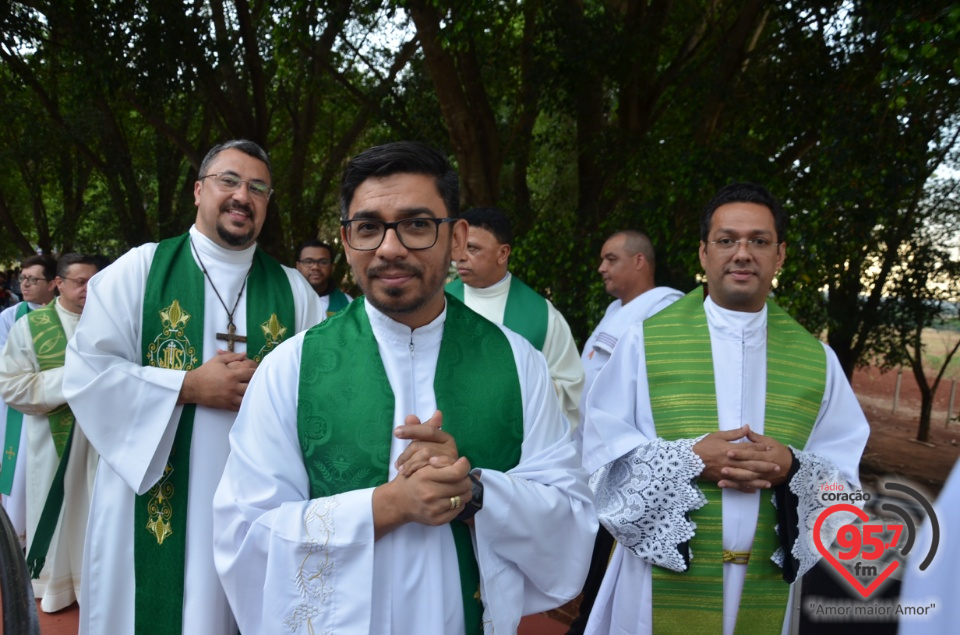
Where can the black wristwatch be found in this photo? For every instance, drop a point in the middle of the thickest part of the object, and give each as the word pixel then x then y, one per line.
pixel 476 496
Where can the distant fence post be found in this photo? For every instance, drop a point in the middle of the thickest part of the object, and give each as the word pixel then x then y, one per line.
pixel 953 393
pixel 896 390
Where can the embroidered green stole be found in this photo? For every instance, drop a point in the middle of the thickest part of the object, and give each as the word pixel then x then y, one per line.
pixel 11 438
pixel 50 347
pixel 345 411
pixel 679 365
pixel 172 338
pixel 525 313
pixel 338 301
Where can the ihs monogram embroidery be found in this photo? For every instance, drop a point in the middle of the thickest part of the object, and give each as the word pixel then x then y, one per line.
pixel 171 349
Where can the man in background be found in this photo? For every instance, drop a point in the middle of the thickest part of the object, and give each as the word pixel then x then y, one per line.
pixel 315 262
pixel 37 283
pixel 627 264
pixel 486 286
pixel 60 464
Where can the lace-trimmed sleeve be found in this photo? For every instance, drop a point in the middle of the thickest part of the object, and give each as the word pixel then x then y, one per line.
pixel 643 499
pixel 804 494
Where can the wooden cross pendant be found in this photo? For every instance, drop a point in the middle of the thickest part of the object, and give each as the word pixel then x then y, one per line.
pixel 231 336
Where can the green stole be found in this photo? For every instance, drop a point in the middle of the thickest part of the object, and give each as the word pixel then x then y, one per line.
pixel 172 338
pixel 679 365
pixel 477 389
pixel 525 313
pixel 338 301
pixel 11 439
pixel 50 348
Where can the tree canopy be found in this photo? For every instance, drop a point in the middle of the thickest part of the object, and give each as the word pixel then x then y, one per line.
pixel 577 117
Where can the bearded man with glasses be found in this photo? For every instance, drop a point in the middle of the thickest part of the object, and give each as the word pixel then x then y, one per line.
pixel 169 338
pixel 38 287
pixel 720 398
pixel 402 467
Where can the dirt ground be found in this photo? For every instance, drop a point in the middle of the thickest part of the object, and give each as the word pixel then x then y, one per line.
pixel 892 448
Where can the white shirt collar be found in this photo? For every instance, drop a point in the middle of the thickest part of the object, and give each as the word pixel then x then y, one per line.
pixel 494 289
pixel 736 324
pixel 211 252
pixel 386 329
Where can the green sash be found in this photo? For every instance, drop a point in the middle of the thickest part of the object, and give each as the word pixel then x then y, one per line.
pixel 338 301
pixel 683 401
pixel 526 311
pixel 476 387
pixel 172 338
pixel 50 347
pixel 11 438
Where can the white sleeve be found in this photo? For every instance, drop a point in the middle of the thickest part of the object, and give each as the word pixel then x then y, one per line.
pixel 128 411
pixel 563 362
pixel 832 455
pixel 278 552
pixel 22 384
pixel 517 546
pixel 644 486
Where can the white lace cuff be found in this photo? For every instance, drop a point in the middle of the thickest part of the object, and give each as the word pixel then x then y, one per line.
pixel 643 499
pixel 813 472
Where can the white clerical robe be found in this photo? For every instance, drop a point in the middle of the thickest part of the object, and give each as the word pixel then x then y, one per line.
pixel 621 443
pixel 617 319
pixel 15 503
pixel 559 348
pixel 937 585
pixel 35 393
pixel 130 414
pixel 295 565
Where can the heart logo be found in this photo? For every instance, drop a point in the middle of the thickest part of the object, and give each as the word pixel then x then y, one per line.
pixel 854 582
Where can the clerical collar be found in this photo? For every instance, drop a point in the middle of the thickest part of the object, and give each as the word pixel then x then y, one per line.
pixel 494 289
pixel 60 307
pixel 386 328
pixel 739 322
pixel 212 252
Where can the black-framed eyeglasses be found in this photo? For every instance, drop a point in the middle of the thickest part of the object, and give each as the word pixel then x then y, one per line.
pixel 230 182
pixel 31 280
pixel 366 234
pixel 310 262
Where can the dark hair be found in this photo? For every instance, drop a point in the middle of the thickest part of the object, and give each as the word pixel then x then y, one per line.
pixel 493 220
pixel 76 259
pixel 745 193
pixel 48 262
pixel 313 242
pixel 401 157
pixel 243 145
pixel 636 242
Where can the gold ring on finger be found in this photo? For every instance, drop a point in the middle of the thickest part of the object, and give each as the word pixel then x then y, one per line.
pixel 454 502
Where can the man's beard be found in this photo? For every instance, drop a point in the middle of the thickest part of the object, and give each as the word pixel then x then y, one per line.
pixel 428 290
pixel 235 240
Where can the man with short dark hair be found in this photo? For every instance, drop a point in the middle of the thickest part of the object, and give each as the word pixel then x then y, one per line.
pixel 31 380
pixel 486 286
pixel 168 341
pixel 37 283
pixel 315 262
pixel 402 467
pixel 722 398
